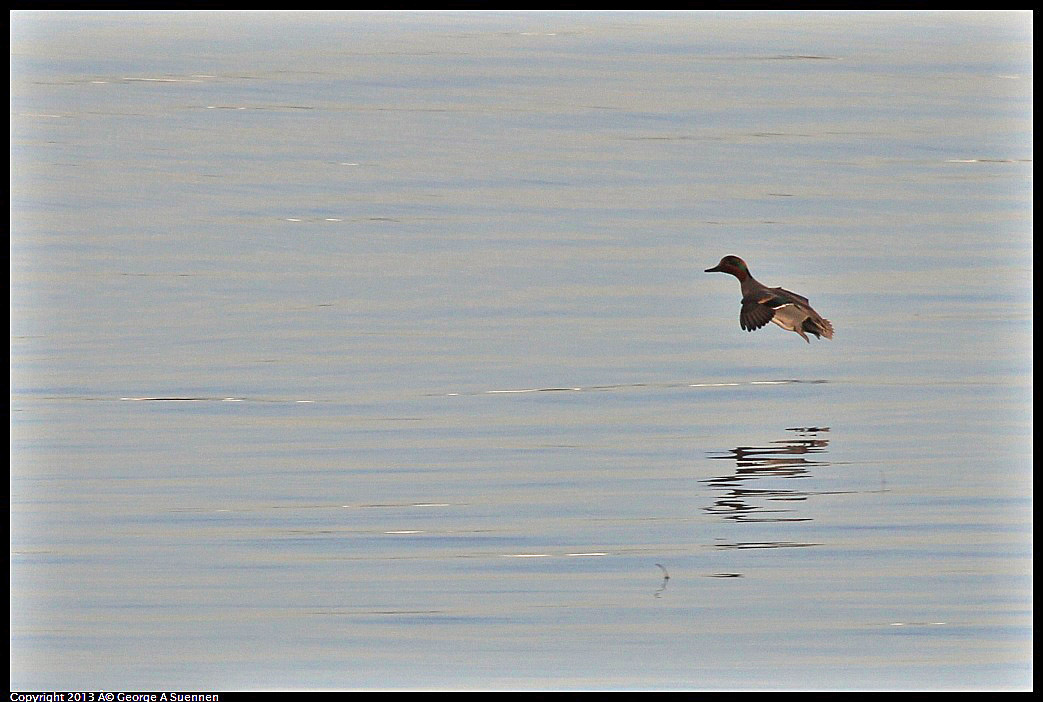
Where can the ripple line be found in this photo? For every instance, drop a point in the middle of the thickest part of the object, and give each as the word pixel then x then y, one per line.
pixel 626 386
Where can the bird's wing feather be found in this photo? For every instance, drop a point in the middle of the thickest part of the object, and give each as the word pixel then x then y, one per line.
pixel 754 314
pixel 781 294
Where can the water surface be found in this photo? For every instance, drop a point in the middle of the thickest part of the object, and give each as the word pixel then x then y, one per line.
pixel 374 351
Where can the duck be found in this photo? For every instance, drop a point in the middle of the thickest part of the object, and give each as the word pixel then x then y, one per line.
pixel 761 304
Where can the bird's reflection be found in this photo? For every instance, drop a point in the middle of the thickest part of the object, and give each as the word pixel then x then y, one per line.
pixel 749 491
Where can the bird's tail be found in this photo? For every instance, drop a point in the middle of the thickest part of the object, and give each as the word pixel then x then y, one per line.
pixel 818 326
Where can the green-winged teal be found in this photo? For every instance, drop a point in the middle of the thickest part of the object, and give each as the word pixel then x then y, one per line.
pixel 761 304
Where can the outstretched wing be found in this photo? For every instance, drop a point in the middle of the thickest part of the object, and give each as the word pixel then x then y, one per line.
pixel 759 308
pixel 755 314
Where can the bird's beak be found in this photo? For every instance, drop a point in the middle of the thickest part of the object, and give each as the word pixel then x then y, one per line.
pixel 715 269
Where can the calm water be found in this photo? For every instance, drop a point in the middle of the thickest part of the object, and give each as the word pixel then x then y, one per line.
pixel 374 351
